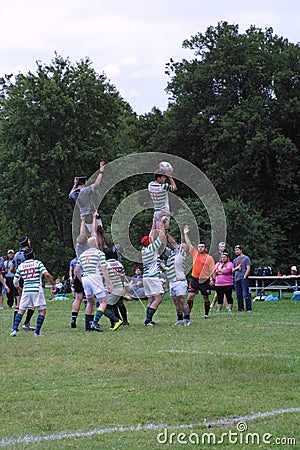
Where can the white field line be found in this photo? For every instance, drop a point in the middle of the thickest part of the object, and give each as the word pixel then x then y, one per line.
pixel 239 355
pixel 151 426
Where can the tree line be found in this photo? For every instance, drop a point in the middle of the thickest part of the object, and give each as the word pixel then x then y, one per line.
pixel 233 111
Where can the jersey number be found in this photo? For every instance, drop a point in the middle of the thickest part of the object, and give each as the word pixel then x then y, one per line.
pixel 29 273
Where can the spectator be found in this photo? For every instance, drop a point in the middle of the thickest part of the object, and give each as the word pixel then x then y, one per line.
pixel 9 277
pixel 59 287
pixel 222 249
pixel 224 282
pixel 241 270
pixel 136 288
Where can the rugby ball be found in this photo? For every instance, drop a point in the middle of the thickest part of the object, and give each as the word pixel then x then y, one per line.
pixel 166 167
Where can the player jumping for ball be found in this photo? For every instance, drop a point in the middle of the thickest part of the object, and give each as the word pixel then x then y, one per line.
pixel 158 190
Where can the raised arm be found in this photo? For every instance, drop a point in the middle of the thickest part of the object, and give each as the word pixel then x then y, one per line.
pixel 172 182
pixel 75 185
pixel 82 226
pixel 95 224
pixel 100 175
pixel 162 229
pixel 172 241
pixel 186 230
pixel 153 231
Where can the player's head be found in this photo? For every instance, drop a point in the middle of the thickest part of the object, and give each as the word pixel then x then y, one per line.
pixel 109 253
pixel 92 242
pixel 146 240
pixel 82 239
pixel 24 241
pixel 160 177
pixel 202 247
pixel 224 257
pixel 222 247
pixel 81 180
pixel 28 253
pixel 238 249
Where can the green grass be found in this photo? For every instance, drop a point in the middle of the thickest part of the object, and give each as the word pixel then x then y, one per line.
pixel 226 367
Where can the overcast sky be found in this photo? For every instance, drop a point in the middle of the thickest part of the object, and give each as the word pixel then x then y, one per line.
pixel 129 40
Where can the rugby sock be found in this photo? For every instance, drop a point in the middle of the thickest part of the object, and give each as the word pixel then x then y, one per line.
pixel 179 316
pixel 15 313
pixel 113 319
pixel 123 311
pixel 206 307
pixel 39 323
pixel 98 315
pixel 87 321
pixel 187 316
pixel 115 310
pixel 17 320
pixel 29 315
pixel 74 316
pixel 150 313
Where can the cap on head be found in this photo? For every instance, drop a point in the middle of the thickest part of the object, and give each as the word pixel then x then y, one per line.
pixel 10 251
pixel 146 241
pixel 28 253
pixel 238 246
pixel 24 241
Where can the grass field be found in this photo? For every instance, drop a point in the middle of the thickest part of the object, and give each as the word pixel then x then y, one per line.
pixel 133 388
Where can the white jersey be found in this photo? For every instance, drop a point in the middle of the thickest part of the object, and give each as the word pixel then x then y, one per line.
pixel 175 264
pixel 149 259
pixel 31 271
pixel 159 195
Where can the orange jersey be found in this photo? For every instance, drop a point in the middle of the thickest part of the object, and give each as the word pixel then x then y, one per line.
pixel 203 265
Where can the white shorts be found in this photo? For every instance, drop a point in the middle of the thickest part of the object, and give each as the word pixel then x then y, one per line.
pixel 115 296
pixel 158 215
pixel 93 286
pixel 33 300
pixel 153 286
pixel 178 288
pixel 90 225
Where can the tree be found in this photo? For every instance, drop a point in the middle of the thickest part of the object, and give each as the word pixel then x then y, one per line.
pixel 234 111
pixel 55 124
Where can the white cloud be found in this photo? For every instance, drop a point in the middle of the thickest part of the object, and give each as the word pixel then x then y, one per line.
pixel 130 41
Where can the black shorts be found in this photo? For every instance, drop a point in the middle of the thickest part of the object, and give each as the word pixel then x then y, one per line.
pixel 196 286
pixel 78 288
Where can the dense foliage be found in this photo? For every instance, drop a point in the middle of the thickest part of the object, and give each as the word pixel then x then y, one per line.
pixel 233 111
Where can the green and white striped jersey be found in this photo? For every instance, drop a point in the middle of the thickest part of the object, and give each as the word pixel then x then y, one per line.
pixel 91 261
pixel 175 264
pixel 149 259
pixel 159 195
pixel 115 268
pixel 31 271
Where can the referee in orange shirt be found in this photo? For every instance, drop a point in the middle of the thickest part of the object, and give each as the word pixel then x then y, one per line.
pixel 202 270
